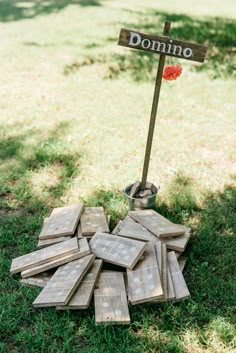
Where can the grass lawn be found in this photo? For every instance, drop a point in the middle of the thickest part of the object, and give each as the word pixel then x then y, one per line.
pixel 74 113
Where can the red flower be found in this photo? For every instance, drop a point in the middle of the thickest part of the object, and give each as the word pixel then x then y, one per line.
pixel 172 72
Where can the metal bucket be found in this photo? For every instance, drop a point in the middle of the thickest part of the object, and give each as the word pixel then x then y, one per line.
pixel 139 204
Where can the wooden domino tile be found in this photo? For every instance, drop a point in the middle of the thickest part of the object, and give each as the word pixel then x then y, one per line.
pixel 47 242
pixel 93 220
pixel 82 250
pixel 64 282
pixel 110 299
pixel 180 287
pixel 62 221
pixel 39 280
pixel 170 288
pixel 144 282
pixel 178 243
pixel 134 230
pixel 117 228
pixel 83 294
pixel 44 255
pixel 117 250
pixel 182 262
pixel 155 223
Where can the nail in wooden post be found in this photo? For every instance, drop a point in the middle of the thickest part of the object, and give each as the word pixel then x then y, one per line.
pixel 156 95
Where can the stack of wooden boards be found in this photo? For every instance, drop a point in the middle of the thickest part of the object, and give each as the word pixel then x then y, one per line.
pixel 139 262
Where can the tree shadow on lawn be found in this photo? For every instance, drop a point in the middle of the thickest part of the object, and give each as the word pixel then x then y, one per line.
pixel 48 155
pixel 14 10
pixel 160 327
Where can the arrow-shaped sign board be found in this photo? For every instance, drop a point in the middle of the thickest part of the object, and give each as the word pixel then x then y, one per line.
pixel 162 45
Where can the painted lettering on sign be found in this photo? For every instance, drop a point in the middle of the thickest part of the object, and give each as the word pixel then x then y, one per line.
pixel 163 45
pixel 158 46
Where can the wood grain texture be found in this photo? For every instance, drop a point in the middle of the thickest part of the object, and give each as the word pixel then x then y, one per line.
pixel 83 249
pixel 182 262
pixel 170 287
pixel 39 280
pixel 117 228
pixel 79 231
pixel 180 287
pixel 178 243
pixel 117 250
pixel 164 273
pixel 47 242
pixel 62 221
pixel 144 282
pixel 156 224
pixel 134 230
pixel 110 299
pixel 83 294
pixel 93 220
pixel 63 283
pixel 198 51
pixel 42 256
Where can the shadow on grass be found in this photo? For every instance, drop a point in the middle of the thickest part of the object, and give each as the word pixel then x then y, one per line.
pixel 174 328
pixel 49 156
pixel 15 10
pixel 216 33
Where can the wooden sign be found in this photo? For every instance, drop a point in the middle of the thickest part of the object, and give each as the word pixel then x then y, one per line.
pixel 110 299
pixel 63 283
pixel 165 46
pixel 162 45
pixel 117 250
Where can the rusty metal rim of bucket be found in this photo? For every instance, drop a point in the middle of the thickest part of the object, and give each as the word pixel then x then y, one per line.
pixel 136 198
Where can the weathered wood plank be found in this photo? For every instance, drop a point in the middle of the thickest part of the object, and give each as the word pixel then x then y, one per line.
pixel 47 242
pixel 42 256
pixel 110 299
pixel 164 273
pixel 117 250
pixel 39 280
pixel 178 243
pixel 83 294
pixel 170 288
pixel 180 287
pixel 134 230
pixel 117 228
pixel 135 188
pixel 93 220
pixel 144 282
pixel 62 221
pixel 182 262
pixel 156 224
pixel 82 250
pixel 79 231
pixel 63 283
pixel 162 45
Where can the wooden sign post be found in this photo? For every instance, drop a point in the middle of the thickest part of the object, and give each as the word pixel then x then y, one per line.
pixel 162 45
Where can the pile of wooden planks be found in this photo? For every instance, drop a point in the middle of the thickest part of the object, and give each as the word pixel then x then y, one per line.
pixel 140 261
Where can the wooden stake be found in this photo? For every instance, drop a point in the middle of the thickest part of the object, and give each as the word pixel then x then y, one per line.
pixel 156 95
